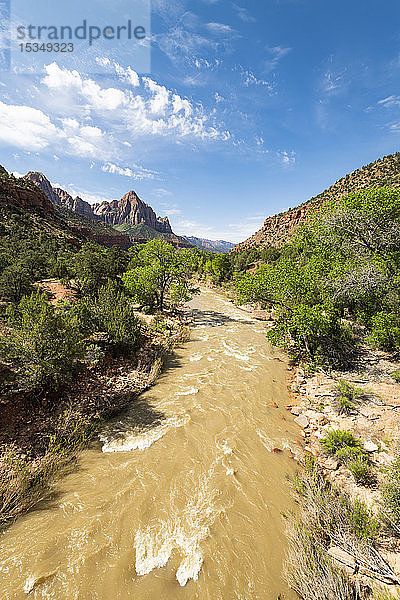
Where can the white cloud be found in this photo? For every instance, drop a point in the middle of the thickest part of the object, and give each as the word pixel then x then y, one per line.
pixel 243 14
pixel 390 101
pixel 153 111
pixel 170 212
pixel 276 53
pixel 287 158
pixel 234 232
pixel 136 173
pixel 250 79
pixel 127 74
pixel 98 98
pixel 26 127
pixel 220 28
pixel 162 192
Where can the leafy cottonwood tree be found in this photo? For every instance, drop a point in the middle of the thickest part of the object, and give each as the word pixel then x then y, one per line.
pixel 160 275
pixel 347 261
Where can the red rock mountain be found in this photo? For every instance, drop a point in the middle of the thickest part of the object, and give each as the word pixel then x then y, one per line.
pixel 130 209
pixel 23 196
pixel 278 229
pixel 58 196
pixel 28 196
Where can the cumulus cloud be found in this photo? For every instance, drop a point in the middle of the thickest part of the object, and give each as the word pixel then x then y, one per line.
pixel 32 130
pixel 219 28
pixel 152 111
pixel 26 127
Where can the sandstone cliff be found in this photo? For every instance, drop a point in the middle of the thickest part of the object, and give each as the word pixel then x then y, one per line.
pixel 22 194
pixel 60 197
pixel 25 197
pixel 130 209
pixel 278 229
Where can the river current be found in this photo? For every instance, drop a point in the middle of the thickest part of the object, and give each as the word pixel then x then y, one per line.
pixel 182 497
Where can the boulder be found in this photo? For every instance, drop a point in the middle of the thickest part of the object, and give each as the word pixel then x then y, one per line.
pixel 371 447
pixel 302 421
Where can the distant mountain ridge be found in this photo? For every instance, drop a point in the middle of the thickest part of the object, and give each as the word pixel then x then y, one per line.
pixel 129 209
pixel 278 229
pixel 210 245
pixel 22 197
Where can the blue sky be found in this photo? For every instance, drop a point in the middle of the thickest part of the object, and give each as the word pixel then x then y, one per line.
pixel 249 108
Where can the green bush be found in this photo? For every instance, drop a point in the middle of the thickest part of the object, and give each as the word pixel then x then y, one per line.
pixel 41 345
pixel 15 283
pixel 359 468
pixel 361 519
pixel 348 397
pixel 347 449
pixel 385 332
pixel 339 440
pixel 396 376
pixel 114 314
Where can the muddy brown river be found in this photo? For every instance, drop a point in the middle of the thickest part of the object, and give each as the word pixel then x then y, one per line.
pixel 182 498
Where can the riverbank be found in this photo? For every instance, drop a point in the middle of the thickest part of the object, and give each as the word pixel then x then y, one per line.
pixel 365 402
pixel 39 441
pixel 340 499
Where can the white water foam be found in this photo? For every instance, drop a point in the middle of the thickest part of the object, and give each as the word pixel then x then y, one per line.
pixel 187 391
pixel 29 584
pixel 196 357
pixel 142 441
pixel 234 353
pixel 266 442
pixel 183 531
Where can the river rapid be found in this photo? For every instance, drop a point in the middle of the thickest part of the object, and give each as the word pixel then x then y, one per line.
pixel 181 498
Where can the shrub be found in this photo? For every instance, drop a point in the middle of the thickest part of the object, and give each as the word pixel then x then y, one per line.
pixel 359 468
pixel 14 283
pixel 326 516
pixel 385 332
pixel 41 344
pixel 312 331
pixel 348 397
pixel 391 496
pixel 24 482
pixel 114 314
pixel 362 521
pixel 338 440
pixel 347 449
pixel 396 376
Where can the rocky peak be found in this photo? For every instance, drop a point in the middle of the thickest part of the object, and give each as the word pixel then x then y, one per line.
pixel 59 196
pixel 129 209
pixel 132 210
pixel 17 192
pixel 43 183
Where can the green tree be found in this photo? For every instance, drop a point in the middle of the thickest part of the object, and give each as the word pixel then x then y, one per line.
pixel 40 343
pixel 14 283
pixel 160 275
pixel 114 314
pixel 221 267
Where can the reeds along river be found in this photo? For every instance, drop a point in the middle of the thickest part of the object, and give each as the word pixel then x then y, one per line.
pixel 182 496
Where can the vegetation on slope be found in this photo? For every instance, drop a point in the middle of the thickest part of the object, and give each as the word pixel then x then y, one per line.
pixel 48 350
pixel 277 230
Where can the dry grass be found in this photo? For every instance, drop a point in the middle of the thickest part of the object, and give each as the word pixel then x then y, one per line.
pixel 329 518
pixel 25 481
